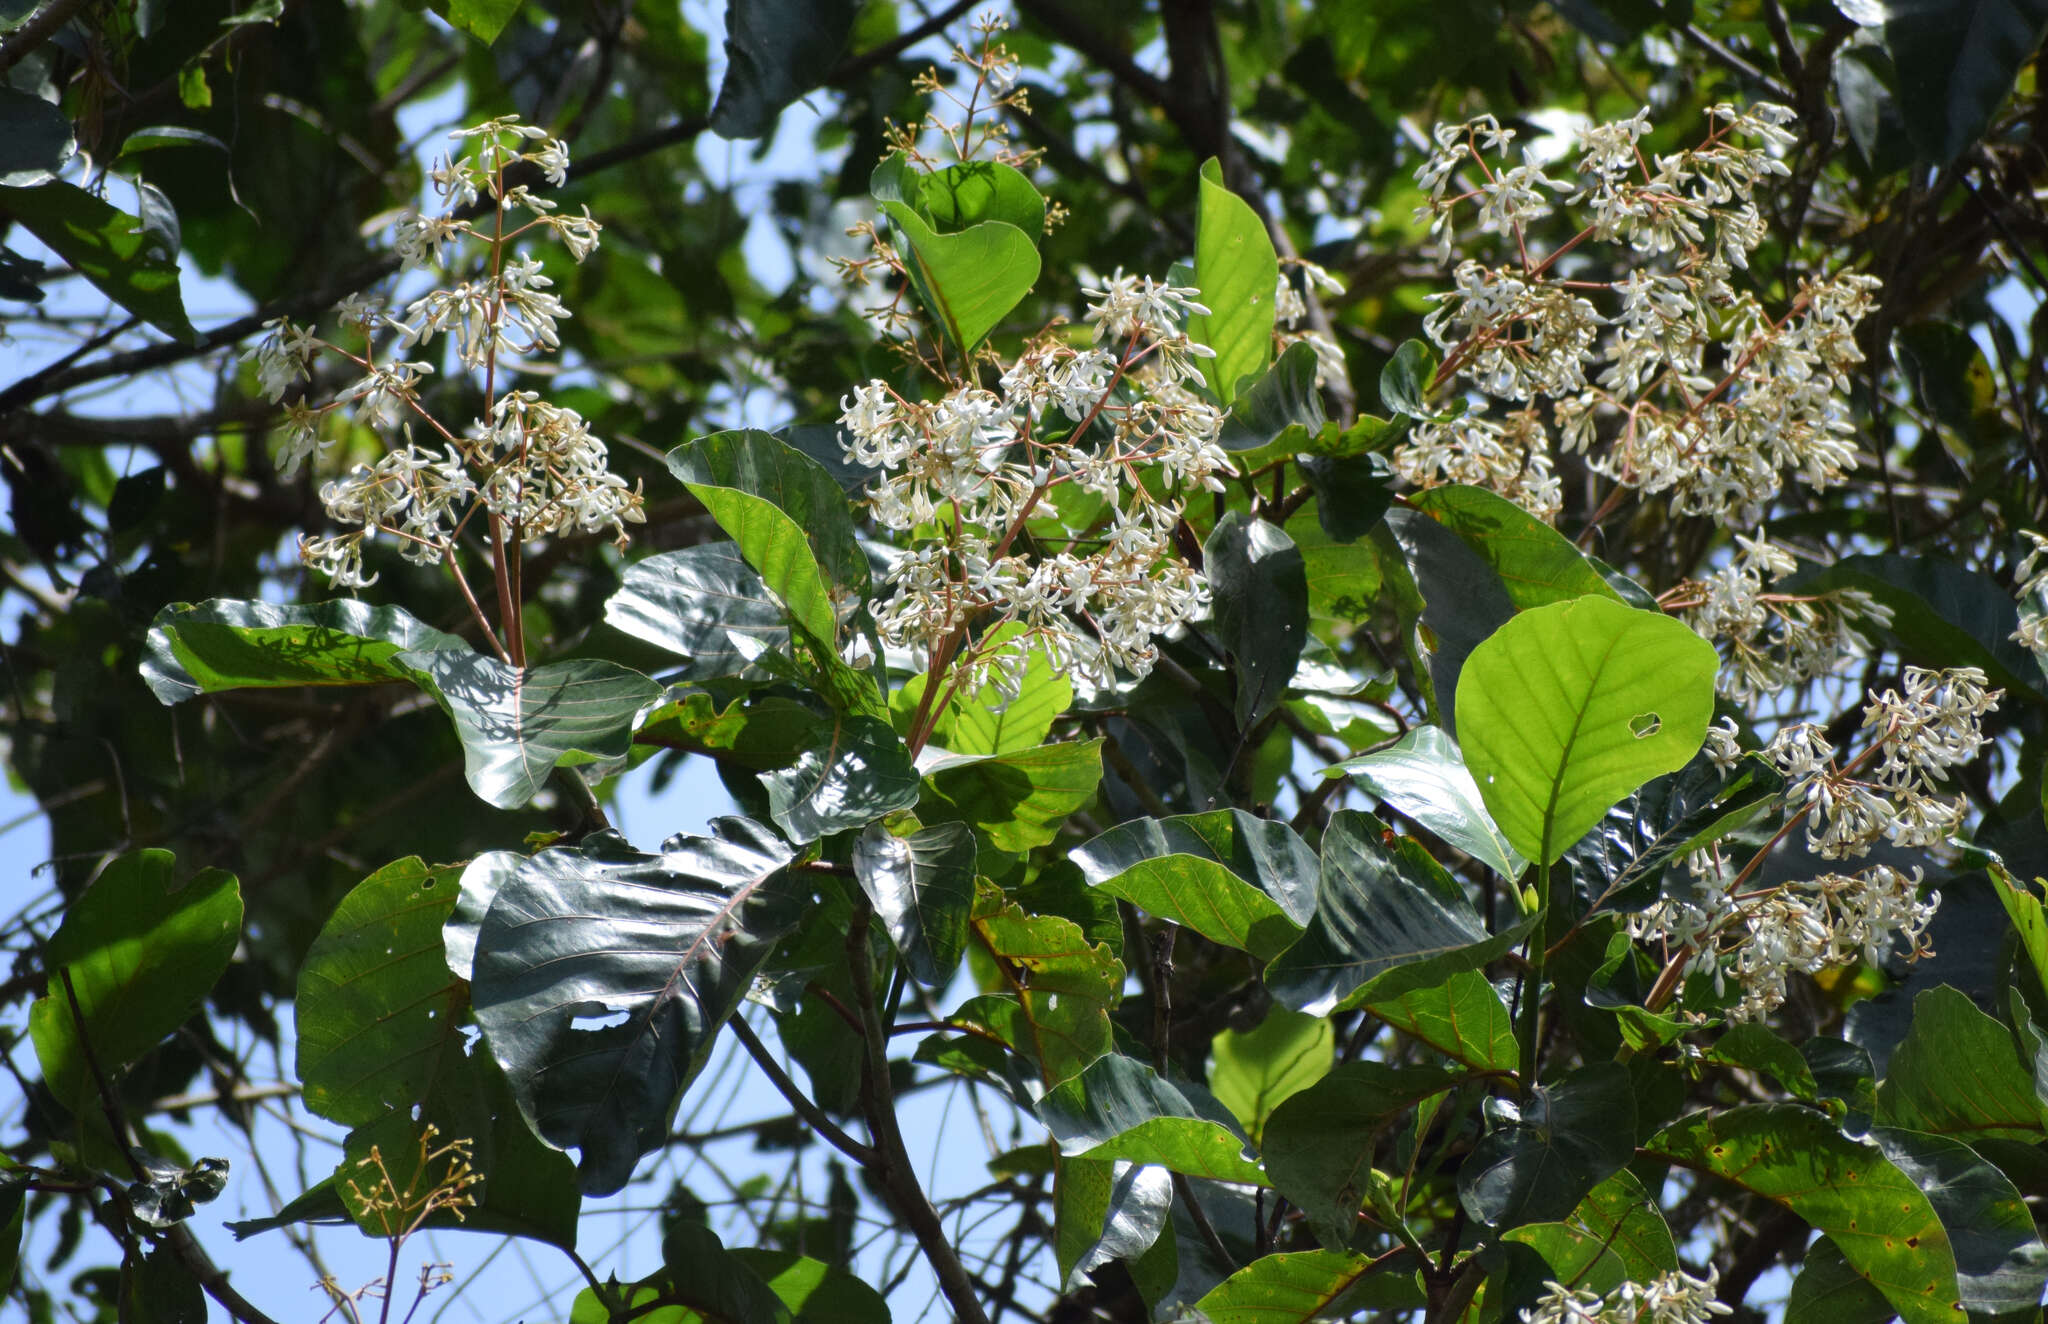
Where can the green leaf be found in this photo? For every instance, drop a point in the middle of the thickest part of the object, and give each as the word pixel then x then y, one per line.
pixel 1278 414
pixel 1956 61
pixel 108 247
pixel 814 1291
pixel 672 941
pixel 1119 1108
pixel 1021 800
pixel 1407 380
pixel 1104 1211
pixel 1254 1071
pixel 1061 987
pixel 377 1007
pixel 161 1290
pixel 35 139
pixel 922 887
pixel 2029 918
pixel 1828 1291
pixel 168 1193
pixel 1788 1153
pixel 1259 594
pixel 142 952
pixel 12 1209
pixel 1754 1048
pixel 1537 564
pixel 1567 708
pixel 1615 1235
pixel 969 279
pixel 787 515
pixel 1943 615
pixel 858 772
pixel 1298 1286
pixel 963 195
pixel 1564 1140
pixel 987 721
pixel 694 603
pixel 759 732
pixel 515 726
pixel 1261 851
pixel 2001 1264
pixel 482 19
pixel 1352 497
pixel 1320 1143
pixel 1385 923
pixel 699 1282
pixel 1238 274
pixel 1208 898
pixel 775 51
pixel 229 645
pixel 1463 601
pixel 1957 1073
pixel 1619 863
pixel 1425 777
pixel 1462 1018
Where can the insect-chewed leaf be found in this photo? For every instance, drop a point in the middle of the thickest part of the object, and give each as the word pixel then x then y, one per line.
pixel 653 951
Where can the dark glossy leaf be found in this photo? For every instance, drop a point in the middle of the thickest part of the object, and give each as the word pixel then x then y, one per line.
pixel 1829 1291
pixel 1958 1074
pixel 1567 708
pixel 1237 274
pixel 1259 592
pixel 776 50
pixel 1619 864
pixel 1615 1235
pixel 1425 777
pixel 1536 564
pixel 693 603
pixel 1462 1018
pixel 1019 800
pixel 1942 615
pixel 2001 1264
pixel 1119 1108
pixel 657 950
pixel 161 1290
pixel 1254 1071
pixel 1406 381
pixel 1106 1211
pixel 167 1193
pixel 377 1007
pixel 1754 1048
pixel 787 516
pixel 1957 60
pixel 1352 496
pixel 1270 408
pixel 1883 1224
pixel 228 645
pixel 108 248
pixel 1387 921
pixel 35 139
pixel 515 726
pixel 142 951
pixel 1299 1286
pixel 922 887
pixel 12 1209
pixel 857 772
pixel 1463 601
pixel 1320 1143
pixel 1567 1139
pixel 1261 851
pixel 699 1281
pixel 1060 986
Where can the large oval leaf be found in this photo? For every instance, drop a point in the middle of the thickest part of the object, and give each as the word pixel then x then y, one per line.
pixel 1320 1143
pixel 922 887
pixel 1615 1235
pixel 1566 709
pixel 1958 1074
pixel 1537 565
pixel 225 644
pixel 141 951
pixel 1299 1286
pixel 1260 851
pixel 377 1005
pixel 695 602
pixel 1884 1225
pixel 1119 1108
pixel 1567 1138
pixel 1238 273
pixel 1259 608
pixel 602 976
pixel 857 772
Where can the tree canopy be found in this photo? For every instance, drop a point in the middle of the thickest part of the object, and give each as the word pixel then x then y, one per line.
pixel 1402 646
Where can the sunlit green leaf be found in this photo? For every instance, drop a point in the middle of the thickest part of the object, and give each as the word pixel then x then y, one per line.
pixel 1237 276
pixel 922 887
pixel 108 248
pixel 1425 777
pixel 1120 1108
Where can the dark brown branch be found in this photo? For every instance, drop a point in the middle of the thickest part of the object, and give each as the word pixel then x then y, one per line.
pixel 41 25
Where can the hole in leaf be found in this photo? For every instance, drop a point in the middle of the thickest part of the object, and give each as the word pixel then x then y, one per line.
pixel 600 1020
pixel 1645 724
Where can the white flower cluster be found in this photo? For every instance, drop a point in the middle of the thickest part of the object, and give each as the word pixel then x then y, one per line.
pixel 1672 1298
pixel 533 467
pixel 2033 597
pixel 1687 387
pixel 1888 794
pixel 1774 640
pixel 1290 314
pixel 1115 424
